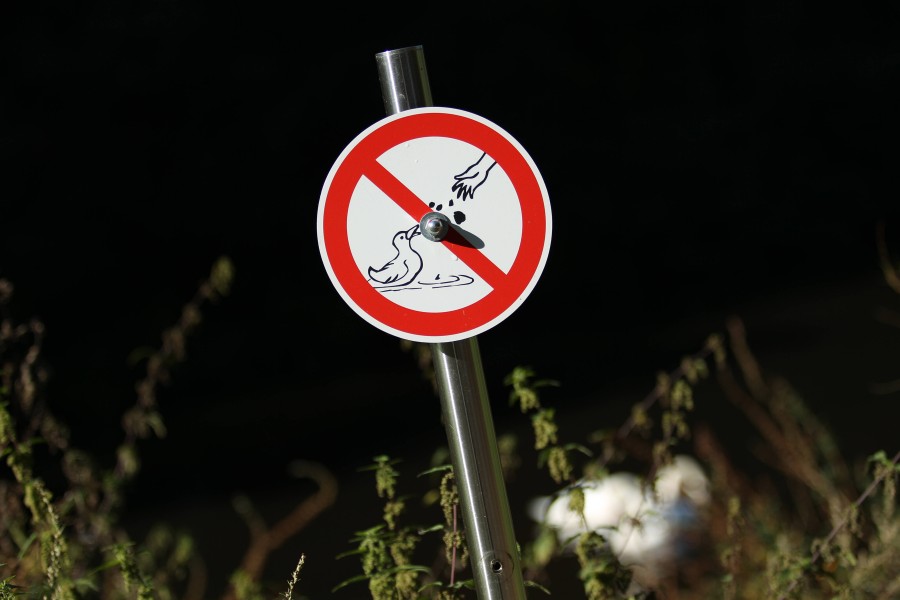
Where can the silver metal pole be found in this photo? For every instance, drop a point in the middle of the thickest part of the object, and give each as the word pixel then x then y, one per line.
pixel 404 79
pixel 465 407
pixel 476 464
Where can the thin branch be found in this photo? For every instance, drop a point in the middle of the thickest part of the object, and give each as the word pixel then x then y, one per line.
pixel 658 392
pixel 265 541
pixel 846 519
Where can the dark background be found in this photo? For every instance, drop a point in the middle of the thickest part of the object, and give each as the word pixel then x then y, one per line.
pixel 702 161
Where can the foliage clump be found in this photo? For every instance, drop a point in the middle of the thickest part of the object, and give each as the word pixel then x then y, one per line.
pixel 66 541
pixel 808 523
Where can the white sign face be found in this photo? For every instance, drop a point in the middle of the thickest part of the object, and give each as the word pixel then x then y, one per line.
pixel 445 161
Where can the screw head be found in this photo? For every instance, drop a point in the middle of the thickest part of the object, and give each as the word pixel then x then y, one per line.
pixel 434 226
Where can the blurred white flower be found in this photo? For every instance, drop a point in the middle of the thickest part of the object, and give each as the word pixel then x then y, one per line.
pixel 646 527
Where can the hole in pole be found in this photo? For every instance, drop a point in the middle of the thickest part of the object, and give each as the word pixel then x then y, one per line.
pixel 496 566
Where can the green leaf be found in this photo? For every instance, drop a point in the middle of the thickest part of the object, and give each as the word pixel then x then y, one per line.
pixel 404 568
pixel 27 544
pixel 533 584
pixel 350 553
pixel 439 469
pixel 107 565
pixel 366 533
pixel 350 581
pixel 84 584
pixel 583 449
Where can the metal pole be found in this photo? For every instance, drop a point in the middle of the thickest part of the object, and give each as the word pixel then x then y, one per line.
pixel 404 79
pixel 465 407
pixel 476 465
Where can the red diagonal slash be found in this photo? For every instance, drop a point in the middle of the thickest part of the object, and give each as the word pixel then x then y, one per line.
pixel 416 208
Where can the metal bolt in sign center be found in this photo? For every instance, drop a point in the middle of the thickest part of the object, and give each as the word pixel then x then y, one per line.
pixel 434 226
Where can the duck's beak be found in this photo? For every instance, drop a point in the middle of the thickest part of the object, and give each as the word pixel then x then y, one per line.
pixel 413 231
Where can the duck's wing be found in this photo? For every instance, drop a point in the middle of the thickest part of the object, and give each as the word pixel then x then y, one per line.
pixel 392 272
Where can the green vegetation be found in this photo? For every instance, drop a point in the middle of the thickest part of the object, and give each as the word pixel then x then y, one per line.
pixel 825 528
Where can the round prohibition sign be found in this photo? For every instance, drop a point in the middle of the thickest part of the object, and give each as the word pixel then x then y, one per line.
pixel 399 170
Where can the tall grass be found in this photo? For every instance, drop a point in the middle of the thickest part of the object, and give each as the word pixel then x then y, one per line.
pixel 811 523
